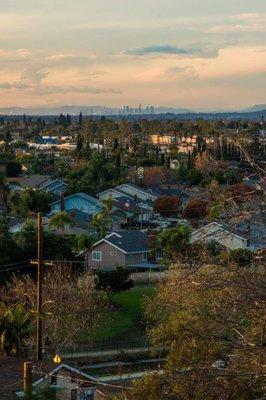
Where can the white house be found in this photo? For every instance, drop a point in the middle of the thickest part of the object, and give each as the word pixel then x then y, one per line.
pixel 221 234
pixel 129 190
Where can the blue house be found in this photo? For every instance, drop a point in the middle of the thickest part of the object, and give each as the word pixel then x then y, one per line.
pixel 78 201
pixel 55 187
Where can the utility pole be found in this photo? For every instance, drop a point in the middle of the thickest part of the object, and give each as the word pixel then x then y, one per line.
pixel 27 379
pixel 39 287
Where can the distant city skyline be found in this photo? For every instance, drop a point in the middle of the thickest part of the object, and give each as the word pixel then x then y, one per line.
pixel 184 54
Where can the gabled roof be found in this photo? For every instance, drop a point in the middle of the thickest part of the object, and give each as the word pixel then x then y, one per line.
pixel 119 190
pixel 53 184
pixel 116 190
pixel 138 189
pixel 80 218
pixel 127 204
pixel 83 196
pixel 172 192
pixel 14 221
pixel 69 368
pixel 221 227
pixel 30 181
pixel 127 241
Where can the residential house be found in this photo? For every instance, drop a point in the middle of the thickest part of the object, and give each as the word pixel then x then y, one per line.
pixel 78 201
pixel 33 181
pixel 173 191
pixel 80 223
pixel 222 234
pixel 254 231
pixel 16 224
pixel 68 382
pixel 256 184
pixel 52 140
pixel 161 139
pixel 132 209
pixel 129 190
pixel 124 248
pixel 245 234
pixel 55 187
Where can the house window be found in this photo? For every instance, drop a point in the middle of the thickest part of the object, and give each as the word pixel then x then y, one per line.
pixel 158 255
pixel 96 256
pixel 113 253
pixel 92 208
pixel 144 256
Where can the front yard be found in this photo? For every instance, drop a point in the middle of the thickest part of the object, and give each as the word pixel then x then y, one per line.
pixel 125 319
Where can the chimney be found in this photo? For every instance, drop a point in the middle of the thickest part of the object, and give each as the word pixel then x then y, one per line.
pixel 73 213
pixel 62 201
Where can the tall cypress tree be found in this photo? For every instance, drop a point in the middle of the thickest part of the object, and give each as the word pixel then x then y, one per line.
pixel 80 118
pixel 79 144
pixel 168 162
pixel 189 164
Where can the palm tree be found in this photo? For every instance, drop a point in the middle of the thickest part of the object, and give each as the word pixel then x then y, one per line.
pixel 61 221
pixel 100 224
pixel 15 328
pixel 173 241
pixel 103 219
pixel 107 206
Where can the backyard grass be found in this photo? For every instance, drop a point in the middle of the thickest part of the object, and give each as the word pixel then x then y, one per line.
pixel 125 320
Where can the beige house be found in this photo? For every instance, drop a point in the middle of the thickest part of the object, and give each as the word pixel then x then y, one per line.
pixel 123 248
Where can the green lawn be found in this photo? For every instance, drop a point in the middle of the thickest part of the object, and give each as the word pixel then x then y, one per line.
pixel 125 320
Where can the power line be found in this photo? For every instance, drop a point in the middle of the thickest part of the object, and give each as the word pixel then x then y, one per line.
pixel 18 268
pixel 11 384
pixel 96 381
pixel 16 263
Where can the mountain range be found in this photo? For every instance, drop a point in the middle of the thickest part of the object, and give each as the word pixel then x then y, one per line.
pixel 101 110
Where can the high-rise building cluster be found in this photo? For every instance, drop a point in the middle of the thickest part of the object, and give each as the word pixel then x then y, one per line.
pixel 126 110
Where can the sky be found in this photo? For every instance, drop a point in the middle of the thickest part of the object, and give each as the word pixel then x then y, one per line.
pixel 197 54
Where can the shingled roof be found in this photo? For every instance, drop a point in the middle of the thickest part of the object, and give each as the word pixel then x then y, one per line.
pixel 127 241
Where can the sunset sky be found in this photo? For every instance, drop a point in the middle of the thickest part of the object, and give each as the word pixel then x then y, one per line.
pixel 198 54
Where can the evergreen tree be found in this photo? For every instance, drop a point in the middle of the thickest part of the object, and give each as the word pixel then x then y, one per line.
pixel 79 144
pixel 80 118
pixel 162 159
pixel 68 120
pixel 168 163
pixel 8 137
pixel 189 163
pixel 116 144
pixel 62 120
pixel 118 160
pixel 145 150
